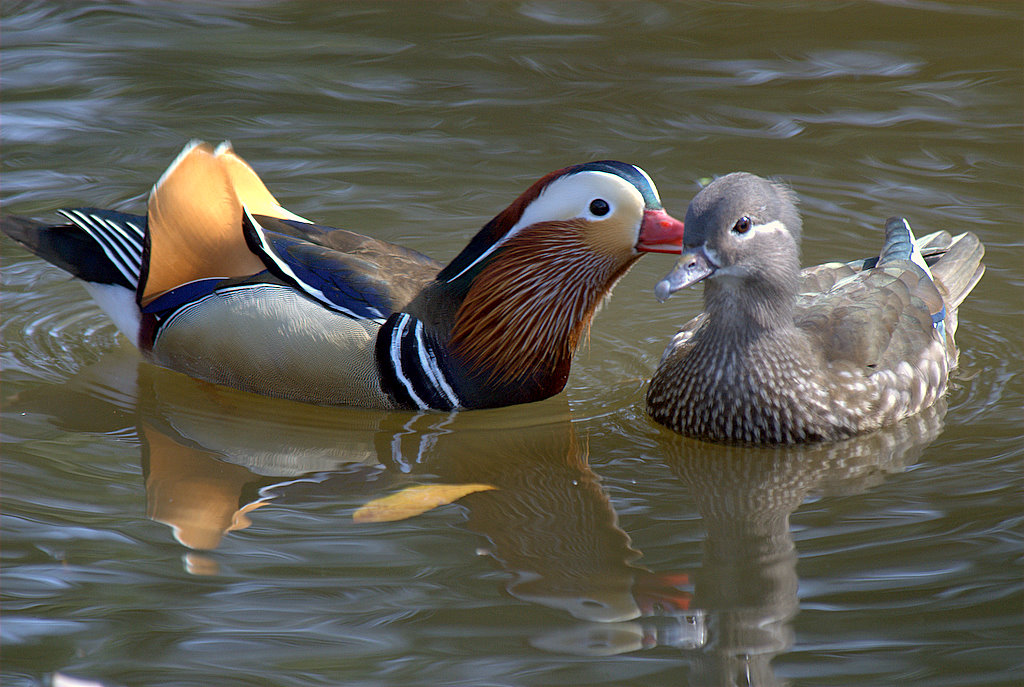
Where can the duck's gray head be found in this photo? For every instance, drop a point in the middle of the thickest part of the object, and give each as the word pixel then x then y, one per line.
pixel 743 227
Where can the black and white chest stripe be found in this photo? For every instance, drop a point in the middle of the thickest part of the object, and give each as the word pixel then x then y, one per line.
pixel 411 370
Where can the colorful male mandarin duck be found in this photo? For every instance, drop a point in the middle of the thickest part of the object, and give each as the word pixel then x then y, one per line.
pixel 220 282
pixel 782 356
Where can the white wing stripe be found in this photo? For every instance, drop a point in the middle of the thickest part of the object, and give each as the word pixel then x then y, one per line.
pixel 108 232
pixel 127 238
pixel 308 288
pixel 111 245
pixel 100 235
pixel 129 251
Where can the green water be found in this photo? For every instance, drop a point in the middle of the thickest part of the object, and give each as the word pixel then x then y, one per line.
pixel 159 531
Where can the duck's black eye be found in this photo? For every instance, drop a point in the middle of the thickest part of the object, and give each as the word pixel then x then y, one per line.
pixel 599 207
pixel 742 225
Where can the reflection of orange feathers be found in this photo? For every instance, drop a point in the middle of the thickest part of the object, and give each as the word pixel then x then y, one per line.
pixel 195 219
pixel 197 496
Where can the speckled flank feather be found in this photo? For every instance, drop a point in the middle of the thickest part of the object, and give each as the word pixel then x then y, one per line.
pixel 857 347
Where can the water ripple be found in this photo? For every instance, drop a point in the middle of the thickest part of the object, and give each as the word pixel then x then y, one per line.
pixel 418 122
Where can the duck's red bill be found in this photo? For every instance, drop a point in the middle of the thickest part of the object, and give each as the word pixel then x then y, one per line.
pixel 660 232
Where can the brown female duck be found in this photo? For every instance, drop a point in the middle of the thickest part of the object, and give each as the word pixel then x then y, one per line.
pixel 783 356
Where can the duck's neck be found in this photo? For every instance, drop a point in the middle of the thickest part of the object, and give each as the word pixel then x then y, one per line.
pixel 525 313
pixel 748 308
pixel 510 329
pixel 745 373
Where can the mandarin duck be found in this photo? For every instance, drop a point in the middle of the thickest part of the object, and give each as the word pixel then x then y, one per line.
pixel 782 356
pixel 220 282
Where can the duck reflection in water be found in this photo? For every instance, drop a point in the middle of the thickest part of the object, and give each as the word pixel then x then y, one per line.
pixel 527 487
pixel 747 582
pixel 212 455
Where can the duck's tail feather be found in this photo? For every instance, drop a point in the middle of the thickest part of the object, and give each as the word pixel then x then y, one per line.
pixel 960 268
pixel 934 245
pixel 97 246
pixel 953 262
pixel 195 219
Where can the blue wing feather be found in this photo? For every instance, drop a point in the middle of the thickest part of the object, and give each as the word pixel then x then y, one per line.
pixel 347 272
pixel 345 284
pixel 900 244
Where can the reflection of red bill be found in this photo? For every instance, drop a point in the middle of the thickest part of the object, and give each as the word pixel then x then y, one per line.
pixel 660 593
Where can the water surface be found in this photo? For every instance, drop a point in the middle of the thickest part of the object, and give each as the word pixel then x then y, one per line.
pixel 159 531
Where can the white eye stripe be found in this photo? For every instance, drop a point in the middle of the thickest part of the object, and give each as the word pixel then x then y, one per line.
pixel 773 227
pixel 569 197
pixel 770 227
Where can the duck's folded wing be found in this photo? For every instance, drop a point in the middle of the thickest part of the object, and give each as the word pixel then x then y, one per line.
pixel 354 274
pixel 872 319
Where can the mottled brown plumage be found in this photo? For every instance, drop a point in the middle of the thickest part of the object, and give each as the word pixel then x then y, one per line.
pixel 781 356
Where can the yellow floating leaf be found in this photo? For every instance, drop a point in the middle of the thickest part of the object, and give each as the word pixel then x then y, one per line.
pixel 412 501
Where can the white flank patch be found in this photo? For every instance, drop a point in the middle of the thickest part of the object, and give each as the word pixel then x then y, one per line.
pixel 119 305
